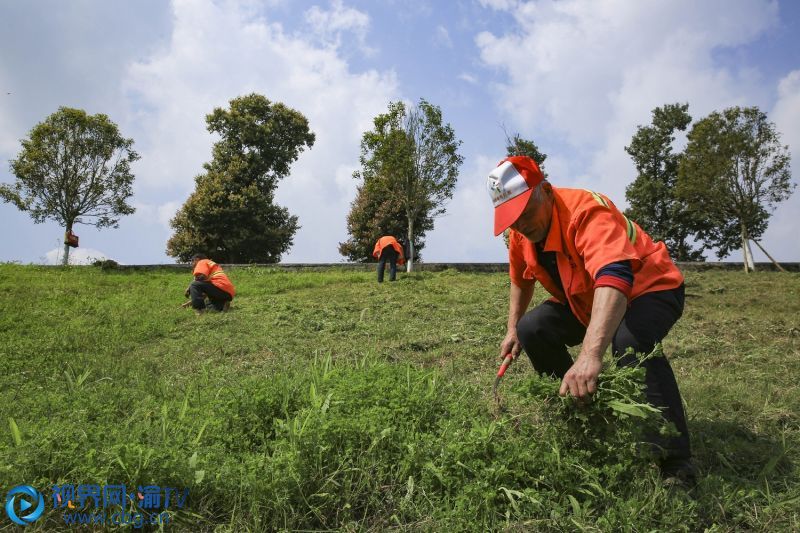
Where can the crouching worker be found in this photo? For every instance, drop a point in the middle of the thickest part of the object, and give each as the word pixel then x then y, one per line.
pixel 209 282
pixel 611 284
pixel 388 249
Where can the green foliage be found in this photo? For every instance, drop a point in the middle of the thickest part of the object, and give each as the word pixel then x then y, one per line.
pixel 374 214
pixel 733 173
pixel 106 264
pixel 415 157
pixel 231 215
pixel 74 168
pixel 517 145
pixel 324 401
pixel 653 200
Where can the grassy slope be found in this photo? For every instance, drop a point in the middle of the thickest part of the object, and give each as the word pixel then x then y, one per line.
pixel 110 383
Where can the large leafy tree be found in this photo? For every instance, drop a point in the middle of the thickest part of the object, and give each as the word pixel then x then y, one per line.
pixel 231 215
pixel 74 168
pixel 654 204
pixel 733 174
pixel 416 153
pixel 374 213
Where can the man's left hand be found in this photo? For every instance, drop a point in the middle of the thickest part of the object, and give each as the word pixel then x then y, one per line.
pixel 581 379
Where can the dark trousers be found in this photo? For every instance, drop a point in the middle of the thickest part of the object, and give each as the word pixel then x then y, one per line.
pixel 547 330
pixel 388 254
pixel 199 290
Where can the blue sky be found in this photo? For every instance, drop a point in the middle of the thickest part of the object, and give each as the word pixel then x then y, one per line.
pixel 576 76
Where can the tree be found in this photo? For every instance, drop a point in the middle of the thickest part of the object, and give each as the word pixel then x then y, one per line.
pixel 74 168
pixel 733 173
pixel 417 154
pixel 373 214
pixel 654 204
pixel 517 145
pixel 231 215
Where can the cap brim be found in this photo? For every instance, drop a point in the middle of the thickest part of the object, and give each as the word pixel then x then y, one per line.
pixel 508 212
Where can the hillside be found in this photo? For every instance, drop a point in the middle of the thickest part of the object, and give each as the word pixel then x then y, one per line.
pixel 326 401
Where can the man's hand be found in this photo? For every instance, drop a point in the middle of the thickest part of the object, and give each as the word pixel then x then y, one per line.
pixel 510 345
pixel 581 379
pixel 186 292
pixel 608 309
pixel 518 301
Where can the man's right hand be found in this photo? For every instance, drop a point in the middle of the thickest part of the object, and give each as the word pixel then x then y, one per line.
pixel 510 345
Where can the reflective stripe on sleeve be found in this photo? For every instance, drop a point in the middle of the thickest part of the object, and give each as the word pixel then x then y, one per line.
pixel 631 230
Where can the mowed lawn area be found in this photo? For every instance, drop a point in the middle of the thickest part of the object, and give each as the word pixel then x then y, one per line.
pixel 324 400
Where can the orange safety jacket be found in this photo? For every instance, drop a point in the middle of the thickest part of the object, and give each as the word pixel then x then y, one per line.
pixel 213 273
pixel 588 232
pixel 388 240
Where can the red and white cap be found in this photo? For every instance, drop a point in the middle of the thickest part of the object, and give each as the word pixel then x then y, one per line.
pixel 510 185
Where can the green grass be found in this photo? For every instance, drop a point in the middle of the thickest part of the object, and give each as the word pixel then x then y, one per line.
pixel 326 401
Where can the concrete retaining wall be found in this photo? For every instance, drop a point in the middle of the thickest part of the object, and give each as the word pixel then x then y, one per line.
pixel 461 267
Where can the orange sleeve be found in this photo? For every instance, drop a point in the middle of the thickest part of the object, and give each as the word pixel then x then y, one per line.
pixel 601 238
pixel 516 262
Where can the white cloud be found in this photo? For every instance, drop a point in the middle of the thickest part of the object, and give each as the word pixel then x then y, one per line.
pixel 469 78
pixel 329 26
pixel 499 4
pixel 585 68
pixel 9 143
pixel 220 50
pixel 156 213
pixel 786 114
pixel 588 72
pixel 466 231
pixel 77 256
pixel 442 37
pixel 781 240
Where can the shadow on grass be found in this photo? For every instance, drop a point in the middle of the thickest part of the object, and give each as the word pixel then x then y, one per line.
pixel 738 456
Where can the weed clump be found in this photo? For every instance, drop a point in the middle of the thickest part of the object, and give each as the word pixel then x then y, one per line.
pixel 106 265
pixel 381 444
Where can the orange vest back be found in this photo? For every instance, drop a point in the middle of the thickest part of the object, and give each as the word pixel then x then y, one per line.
pixel 385 241
pixel 213 272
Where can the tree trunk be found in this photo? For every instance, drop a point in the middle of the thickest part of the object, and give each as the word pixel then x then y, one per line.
pixel 410 258
pixel 65 258
pixel 749 266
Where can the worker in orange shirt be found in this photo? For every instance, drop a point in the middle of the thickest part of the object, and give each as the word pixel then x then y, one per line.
pixel 611 284
pixel 388 249
pixel 209 282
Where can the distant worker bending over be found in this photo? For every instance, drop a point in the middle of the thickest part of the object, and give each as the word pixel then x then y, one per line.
pixel 611 284
pixel 388 249
pixel 209 282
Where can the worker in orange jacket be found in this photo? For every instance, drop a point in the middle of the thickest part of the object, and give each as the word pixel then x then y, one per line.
pixel 611 284
pixel 388 249
pixel 209 282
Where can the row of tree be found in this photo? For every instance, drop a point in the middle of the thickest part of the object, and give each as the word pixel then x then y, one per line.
pixel 718 193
